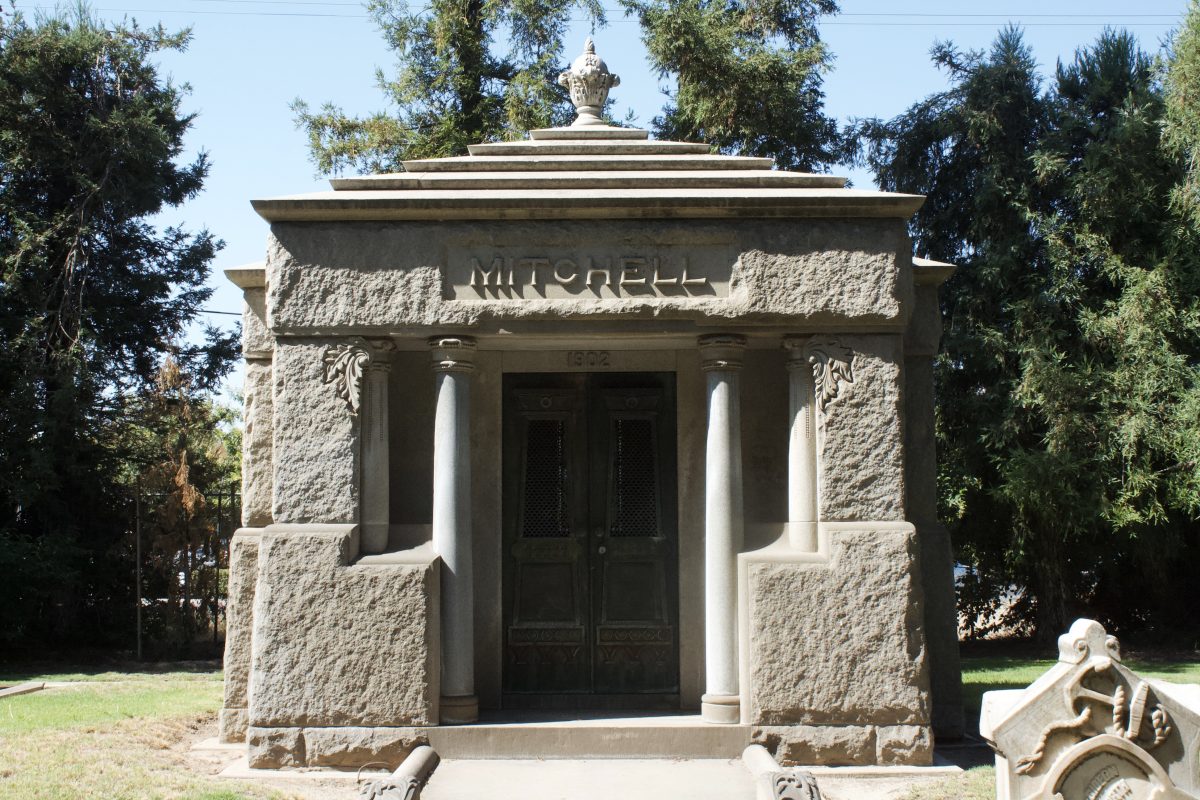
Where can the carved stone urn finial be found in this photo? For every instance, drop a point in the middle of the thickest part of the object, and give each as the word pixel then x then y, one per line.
pixel 588 80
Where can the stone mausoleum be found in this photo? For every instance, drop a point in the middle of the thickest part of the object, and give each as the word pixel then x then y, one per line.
pixel 590 445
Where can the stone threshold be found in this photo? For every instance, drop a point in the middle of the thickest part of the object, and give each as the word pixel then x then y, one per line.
pixel 588 735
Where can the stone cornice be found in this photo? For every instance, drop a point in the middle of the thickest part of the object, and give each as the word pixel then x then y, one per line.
pixel 250 276
pixel 591 204
pixel 927 272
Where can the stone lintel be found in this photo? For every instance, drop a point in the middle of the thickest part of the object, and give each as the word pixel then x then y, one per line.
pixel 576 335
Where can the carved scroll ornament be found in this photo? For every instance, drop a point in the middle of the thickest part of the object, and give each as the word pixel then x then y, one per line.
pixel 833 369
pixel 796 785
pixel 345 365
pixel 395 788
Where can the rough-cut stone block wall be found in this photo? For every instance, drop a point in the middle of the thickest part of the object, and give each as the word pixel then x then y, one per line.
pixel 861 439
pixel 315 442
pixel 239 626
pixel 837 655
pixel 825 269
pixel 937 556
pixel 257 446
pixel 842 642
pixel 372 276
pixel 257 340
pixel 337 645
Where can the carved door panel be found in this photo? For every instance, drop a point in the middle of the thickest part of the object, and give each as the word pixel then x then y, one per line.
pixel 632 514
pixel 590 580
pixel 545 581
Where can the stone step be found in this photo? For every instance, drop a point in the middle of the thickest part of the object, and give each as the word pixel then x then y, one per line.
pixel 584 163
pixel 587 147
pixel 613 179
pixel 638 737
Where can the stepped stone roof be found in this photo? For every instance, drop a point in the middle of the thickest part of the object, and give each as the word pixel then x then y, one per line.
pixel 588 171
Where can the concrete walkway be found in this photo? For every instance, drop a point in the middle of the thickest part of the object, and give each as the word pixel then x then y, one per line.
pixel 628 779
pixel 596 779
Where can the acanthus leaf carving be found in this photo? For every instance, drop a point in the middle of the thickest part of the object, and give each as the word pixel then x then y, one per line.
pixel 833 370
pixel 345 365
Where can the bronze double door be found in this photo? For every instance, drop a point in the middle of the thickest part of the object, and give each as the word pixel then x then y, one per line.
pixel 590 545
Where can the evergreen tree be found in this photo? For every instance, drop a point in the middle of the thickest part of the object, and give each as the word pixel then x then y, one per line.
pixel 91 297
pixel 452 88
pixel 185 467
pixel 748 80
pixel 969 151
pixel 747 76
pixel 1067 391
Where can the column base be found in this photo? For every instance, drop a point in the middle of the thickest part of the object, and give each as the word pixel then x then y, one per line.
pixel 458 710
pixel 802 536
pixel 721 709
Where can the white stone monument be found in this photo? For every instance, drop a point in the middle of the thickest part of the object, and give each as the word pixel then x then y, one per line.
pixel 590 424
pixel 1090 729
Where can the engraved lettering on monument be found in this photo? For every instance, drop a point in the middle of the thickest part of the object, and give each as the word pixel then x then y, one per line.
pixel 507 272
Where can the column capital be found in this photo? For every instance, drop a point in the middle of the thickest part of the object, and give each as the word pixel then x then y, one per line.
pixel 452 353
pixel 797 347
pixel 381 352
pixel 721 351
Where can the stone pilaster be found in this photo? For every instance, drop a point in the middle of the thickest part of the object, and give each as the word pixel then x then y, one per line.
pixel 376 486
pixel 453 363
pixel 802 449
pixel 258 348
pixel 921 344
pixel 819 371
pixel 721 360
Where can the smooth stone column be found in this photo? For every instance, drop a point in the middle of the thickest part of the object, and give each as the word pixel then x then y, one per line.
pixel 453 363
pixel 721 360
pixel 802 448
pixel 376 481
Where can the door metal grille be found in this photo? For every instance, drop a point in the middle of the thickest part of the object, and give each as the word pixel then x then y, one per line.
pixel 635 481
pixel 544 506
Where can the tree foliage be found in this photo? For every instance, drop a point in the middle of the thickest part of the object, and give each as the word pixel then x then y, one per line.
pixel 1068 425
pixel 747 76
pixel 453 87
pixel 92 295
pixel 186 453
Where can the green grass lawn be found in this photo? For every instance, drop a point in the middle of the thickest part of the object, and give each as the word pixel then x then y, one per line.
pixel 110 736
pixel 125 735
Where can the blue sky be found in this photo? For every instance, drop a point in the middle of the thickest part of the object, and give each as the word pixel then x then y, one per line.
pixel 249 59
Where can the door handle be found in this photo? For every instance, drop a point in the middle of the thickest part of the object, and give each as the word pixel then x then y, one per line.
pixel 602 550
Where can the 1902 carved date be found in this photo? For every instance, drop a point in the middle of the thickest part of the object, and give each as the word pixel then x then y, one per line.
pixel 587 358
